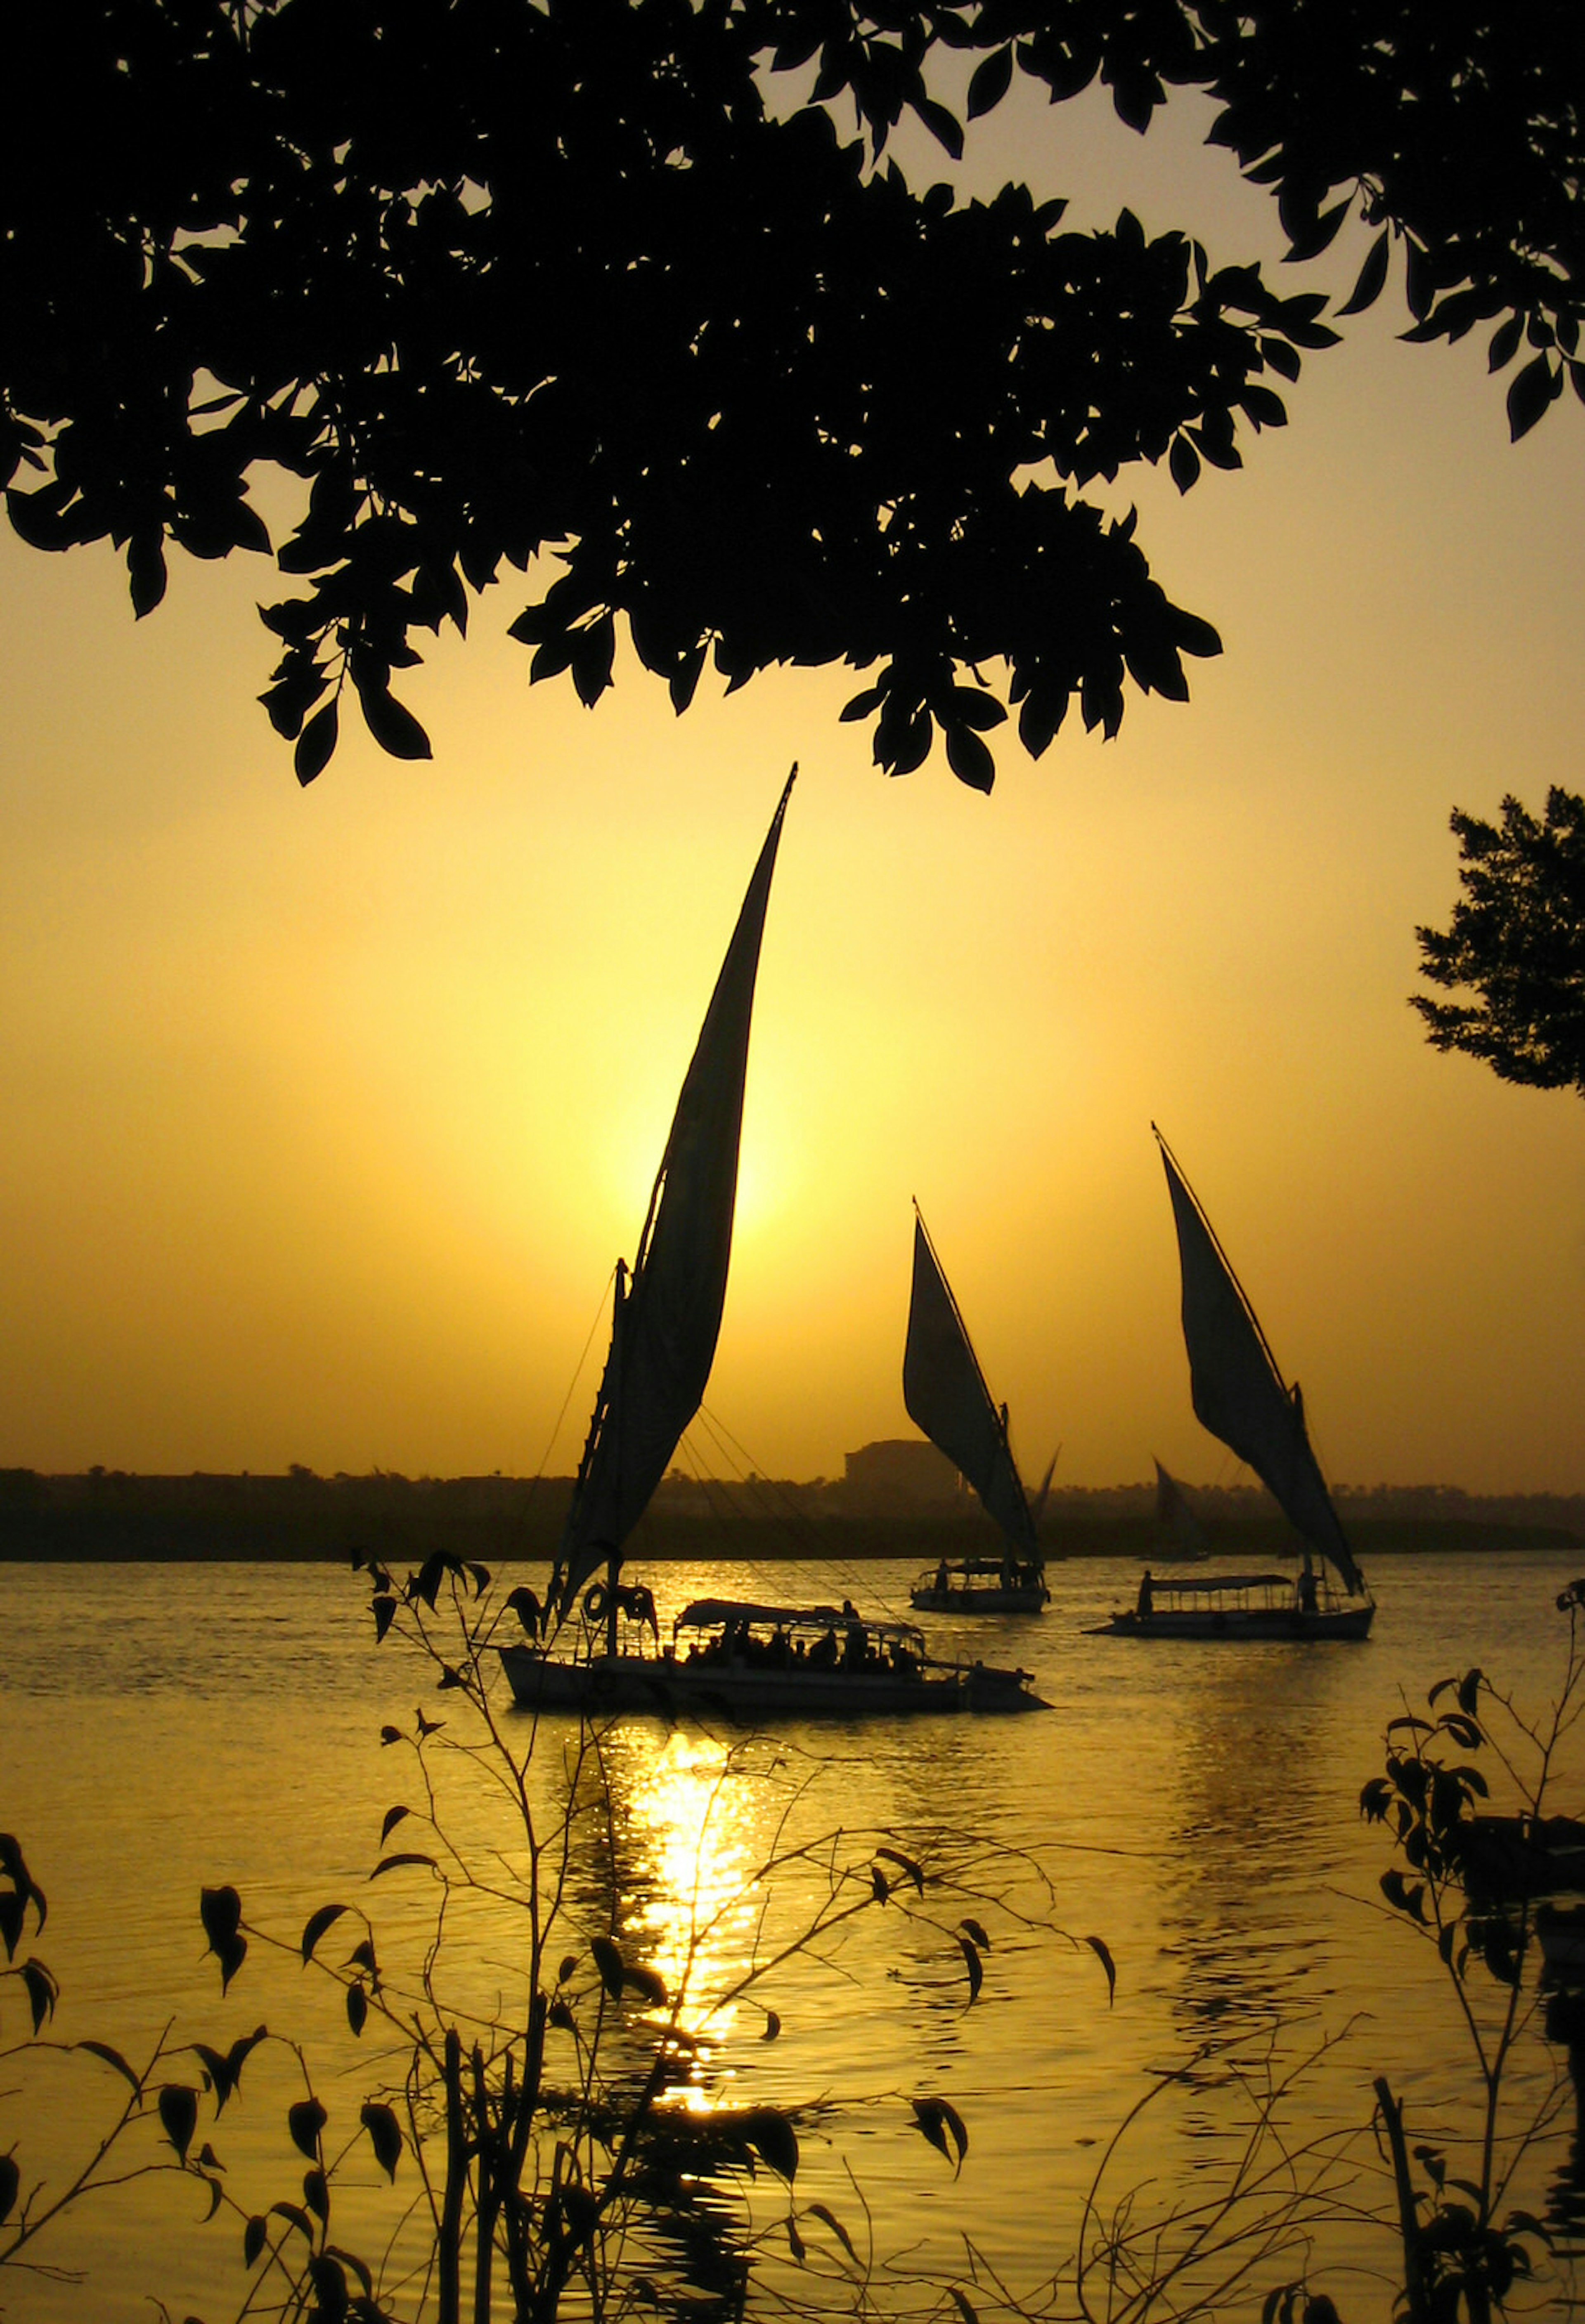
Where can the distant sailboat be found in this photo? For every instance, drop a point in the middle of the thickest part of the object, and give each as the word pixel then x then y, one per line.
pixel 1240 1394
pixel 665 1320
pixel 1180 1535
pixel 946 1395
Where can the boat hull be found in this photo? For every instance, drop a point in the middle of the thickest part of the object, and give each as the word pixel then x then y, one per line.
pixel 606 1685
pixel 1240 1622
pixel 975 1598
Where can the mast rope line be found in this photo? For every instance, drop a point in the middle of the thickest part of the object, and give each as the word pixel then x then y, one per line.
pixel 538 1476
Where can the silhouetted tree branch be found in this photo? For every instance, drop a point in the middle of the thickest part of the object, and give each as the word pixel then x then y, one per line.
pixel 1518 939
pixel 543 284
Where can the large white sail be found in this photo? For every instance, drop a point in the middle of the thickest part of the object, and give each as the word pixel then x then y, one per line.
pixel 945 1392
pixel 1238 1391
pixel 667 1321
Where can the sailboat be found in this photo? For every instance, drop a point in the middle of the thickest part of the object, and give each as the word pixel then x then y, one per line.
pixel 946 1395
pixel 1180 1535
pixel 1240 1394
pixel 744 1661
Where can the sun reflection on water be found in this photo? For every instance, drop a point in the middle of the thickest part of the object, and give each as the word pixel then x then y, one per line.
pixel 693 1905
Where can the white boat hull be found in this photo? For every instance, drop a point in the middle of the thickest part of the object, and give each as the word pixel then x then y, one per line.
pixel 607 1684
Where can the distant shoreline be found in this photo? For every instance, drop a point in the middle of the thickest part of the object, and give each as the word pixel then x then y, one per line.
pixel 106 1516
pixel 749 1542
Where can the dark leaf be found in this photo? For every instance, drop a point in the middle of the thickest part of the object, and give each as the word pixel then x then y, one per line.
pixel 773 2027
pixel 939 2121
pixel 1372 277
pixel 305 2120
pixel 969 759
pixel 906 1864
pixel 943 126
pixel 964 2306
pixel 358 2006
pixel 773 2138
pixel 1504 342
pixel 393 727
pixel 819 2211
pixel 316 745
pixel 794 2240
pixel 294 2214
pixel 608 1960
pixel 974 1965
pixel 253 2238
pixel 146 571
pixel 385 2136
pixel 42 1992
pixel 392 1818
pixel 316 2194
pixel 112 2058
pixel 9 2184
pixel 318 1923
pixel 976 1929
pixel 329 2289
pixel 1183 462
pixel 408 1855
pixel 359 2268
pixel 1098 1948
pixel 178 2107
pixel 1532 390
pixel 990 82
pixel 220 1910
pixel 648 1984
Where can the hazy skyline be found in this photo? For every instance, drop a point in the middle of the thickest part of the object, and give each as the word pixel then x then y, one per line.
pixel 330 1111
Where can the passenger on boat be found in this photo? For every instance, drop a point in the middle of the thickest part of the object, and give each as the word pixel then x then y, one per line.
pixel 822 1655
pixel 1307 1589
pixel 1146 1600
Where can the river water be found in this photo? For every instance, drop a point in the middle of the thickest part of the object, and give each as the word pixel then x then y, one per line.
pixel 1192 1806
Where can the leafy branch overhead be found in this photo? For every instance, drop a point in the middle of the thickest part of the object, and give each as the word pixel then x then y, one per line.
pixel 599 290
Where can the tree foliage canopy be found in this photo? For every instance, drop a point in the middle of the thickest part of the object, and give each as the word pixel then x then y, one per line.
pixel 1517 940
pixel 576 287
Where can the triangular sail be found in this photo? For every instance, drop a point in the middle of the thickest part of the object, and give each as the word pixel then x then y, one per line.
pixel 1175 1517
pixel 1238 1391
pixel 945 1392
pixel 664 1330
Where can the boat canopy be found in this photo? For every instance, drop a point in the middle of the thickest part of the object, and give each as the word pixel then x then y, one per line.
pixel 704 1613
pixel 1183 1585
pixel 1238 1391
pixel 663 1330
pixel 945 1392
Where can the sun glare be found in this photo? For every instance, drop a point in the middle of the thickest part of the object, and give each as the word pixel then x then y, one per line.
pixel 688 1816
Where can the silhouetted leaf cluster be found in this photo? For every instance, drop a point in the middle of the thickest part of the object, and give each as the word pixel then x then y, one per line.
pixel 546 284
pixel 1517 940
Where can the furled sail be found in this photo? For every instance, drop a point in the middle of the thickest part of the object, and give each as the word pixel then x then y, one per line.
pixel 1238 1391
pixel 945 1392
pixel 666 1322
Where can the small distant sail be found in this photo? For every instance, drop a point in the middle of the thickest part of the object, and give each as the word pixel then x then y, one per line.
pixel 1238 1391
pixel 1183 1534
pixel 945 1392
pixel 665 1326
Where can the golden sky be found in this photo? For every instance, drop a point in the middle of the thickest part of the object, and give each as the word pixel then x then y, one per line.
pixel 328 1110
